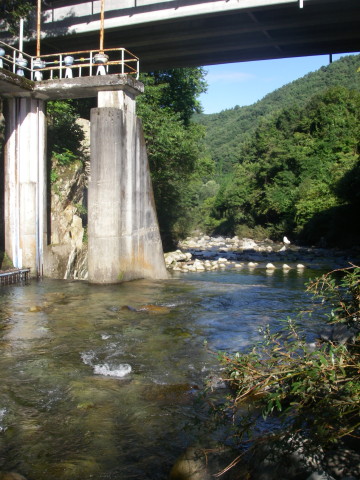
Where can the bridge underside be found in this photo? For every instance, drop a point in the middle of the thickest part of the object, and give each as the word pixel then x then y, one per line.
pixel 187 35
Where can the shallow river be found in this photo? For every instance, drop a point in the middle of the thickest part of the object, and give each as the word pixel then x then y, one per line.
pixel 91 390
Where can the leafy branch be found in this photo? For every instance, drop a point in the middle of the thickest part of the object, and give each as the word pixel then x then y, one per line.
pixel 292 388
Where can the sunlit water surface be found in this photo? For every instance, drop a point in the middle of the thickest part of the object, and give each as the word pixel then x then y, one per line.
pixel 92 390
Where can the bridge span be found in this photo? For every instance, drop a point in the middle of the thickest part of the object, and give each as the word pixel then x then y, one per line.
pixel 182 33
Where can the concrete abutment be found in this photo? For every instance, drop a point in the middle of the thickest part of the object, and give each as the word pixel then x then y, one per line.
pixel 123 233
pixel 25 183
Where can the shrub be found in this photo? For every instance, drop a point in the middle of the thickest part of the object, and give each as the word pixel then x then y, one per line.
pixel 307 391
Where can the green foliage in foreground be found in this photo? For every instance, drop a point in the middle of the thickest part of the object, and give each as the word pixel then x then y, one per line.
pixel 311 392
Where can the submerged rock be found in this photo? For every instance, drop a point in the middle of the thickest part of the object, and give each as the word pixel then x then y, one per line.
pixel 156 309
pixel 12 476
pixel 36 308
pixel 198 464
pixel 340 333
pixel 190 466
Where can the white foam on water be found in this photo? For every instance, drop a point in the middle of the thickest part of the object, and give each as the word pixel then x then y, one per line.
pixel 88 357
pixel 119 371
pixel 104 336
pixel 2 415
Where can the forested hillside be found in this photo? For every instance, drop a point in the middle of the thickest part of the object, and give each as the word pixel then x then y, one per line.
pixel 290 163
pixel 228 130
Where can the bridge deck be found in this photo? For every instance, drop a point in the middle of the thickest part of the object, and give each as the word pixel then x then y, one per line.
pixel 178 33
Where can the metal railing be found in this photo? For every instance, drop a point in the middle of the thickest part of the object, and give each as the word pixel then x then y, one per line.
pixel 84 63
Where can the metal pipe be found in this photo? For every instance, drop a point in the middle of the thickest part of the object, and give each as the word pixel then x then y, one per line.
pixel 102 6
pixel 21 35
pixel 38 29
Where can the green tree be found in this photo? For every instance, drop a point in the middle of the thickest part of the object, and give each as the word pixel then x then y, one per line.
pixel 297 166
pixel 173 144
pixel 12 10
pixel 229 130
pixel 61 119
pixel 180 88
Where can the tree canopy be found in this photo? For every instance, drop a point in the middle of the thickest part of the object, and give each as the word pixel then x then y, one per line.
pixel 177 164
pixel 290 163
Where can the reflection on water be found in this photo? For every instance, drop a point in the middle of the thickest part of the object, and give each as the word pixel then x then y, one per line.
pixel 90 389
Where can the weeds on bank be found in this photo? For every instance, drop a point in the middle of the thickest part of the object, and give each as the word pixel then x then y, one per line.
pixel 286 387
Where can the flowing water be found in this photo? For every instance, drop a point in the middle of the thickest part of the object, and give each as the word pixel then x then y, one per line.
pixel 93 390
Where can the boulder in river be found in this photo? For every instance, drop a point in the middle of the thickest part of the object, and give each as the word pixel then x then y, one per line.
pixel 11 476
pixel 155 309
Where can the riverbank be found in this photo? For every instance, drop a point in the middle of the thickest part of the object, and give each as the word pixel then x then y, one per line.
pixel 203 252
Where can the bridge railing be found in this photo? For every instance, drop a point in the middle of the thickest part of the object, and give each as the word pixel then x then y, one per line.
pixel 13 59
pixel 85 63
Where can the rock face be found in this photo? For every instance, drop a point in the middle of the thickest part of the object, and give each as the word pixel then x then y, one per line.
pixel 66 252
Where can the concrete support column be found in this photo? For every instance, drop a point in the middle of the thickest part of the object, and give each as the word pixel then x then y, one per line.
pixel 25 183
pixel 123 232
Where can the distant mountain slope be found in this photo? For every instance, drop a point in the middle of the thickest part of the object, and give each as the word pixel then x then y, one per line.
pixel 227 130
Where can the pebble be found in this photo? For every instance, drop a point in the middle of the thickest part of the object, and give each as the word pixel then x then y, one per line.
pixel 205 253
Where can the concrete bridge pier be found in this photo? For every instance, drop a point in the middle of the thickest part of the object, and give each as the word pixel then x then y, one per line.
pixel 25 183
pixel 124 238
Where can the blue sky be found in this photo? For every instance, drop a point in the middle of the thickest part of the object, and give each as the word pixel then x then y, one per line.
pixel 245 83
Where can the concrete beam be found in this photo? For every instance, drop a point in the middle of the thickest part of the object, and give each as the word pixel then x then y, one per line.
pixel 84 87
pixel 13 85
pixel 59 89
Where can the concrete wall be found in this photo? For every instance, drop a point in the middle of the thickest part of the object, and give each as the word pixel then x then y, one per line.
pixel 25 183
pixel 124 238
pixel 2 184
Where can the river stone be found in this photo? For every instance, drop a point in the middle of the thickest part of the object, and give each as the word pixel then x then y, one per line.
pixel 343 462
pixel 320 476
pixel 340 333
pixel 291 458
pixel 156 309
pixel 194 464
pixel 11 476
pixel 35 308
pixel 190 466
